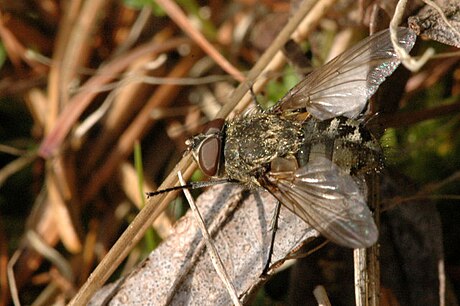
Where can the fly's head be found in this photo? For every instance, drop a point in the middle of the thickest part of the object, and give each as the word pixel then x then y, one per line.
pixel 207 147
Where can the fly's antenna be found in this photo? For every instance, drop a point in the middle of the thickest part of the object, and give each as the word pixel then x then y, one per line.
pixel 192 185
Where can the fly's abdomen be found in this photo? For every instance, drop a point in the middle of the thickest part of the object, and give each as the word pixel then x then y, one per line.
pixel 344 141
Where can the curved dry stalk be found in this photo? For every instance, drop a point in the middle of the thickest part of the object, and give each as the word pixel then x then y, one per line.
pixel 409 62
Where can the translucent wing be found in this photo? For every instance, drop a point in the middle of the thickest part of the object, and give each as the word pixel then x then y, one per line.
pixel 327 199
pixel 344 84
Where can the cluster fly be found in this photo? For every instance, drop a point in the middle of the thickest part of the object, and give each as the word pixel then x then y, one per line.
pixel 311 149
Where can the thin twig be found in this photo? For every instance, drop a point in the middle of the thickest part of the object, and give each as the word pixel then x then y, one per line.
pixel 304 255
pixel 427 192
pixel 359 260
pixel 12 278
pixel 12 150
pixel 401 119
pixel 321 296
pixel 40 246
pixel 55 89
pixel 15 166
pixel 366 262
pixel 373 256
pixel 78 44
pixel 409 62
pixel 215 258
pixel 135 30
pixel 442 283
pixel 185 81
pixel 176 14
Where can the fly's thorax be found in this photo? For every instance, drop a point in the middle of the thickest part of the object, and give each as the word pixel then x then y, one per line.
pixel 346 142
pixel 252 142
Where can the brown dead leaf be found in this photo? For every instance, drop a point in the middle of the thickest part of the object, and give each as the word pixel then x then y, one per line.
pixel 429 24
pixel 180 272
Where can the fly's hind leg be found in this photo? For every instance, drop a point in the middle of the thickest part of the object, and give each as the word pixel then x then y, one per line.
pixel 274 227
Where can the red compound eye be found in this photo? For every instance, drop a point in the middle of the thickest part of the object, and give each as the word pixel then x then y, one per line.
pixel 209 156
pixel 209 152
pixel 213 127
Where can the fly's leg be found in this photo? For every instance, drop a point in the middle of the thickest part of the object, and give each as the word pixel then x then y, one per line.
pixel 254 98
pixel 274 226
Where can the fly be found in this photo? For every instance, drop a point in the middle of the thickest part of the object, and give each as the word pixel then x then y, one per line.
pixel 311 150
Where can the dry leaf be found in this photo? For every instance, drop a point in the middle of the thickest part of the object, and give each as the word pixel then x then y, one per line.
pixel 179 271
pixel 429 24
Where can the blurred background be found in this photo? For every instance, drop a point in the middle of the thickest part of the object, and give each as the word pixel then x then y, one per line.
pixel 98 97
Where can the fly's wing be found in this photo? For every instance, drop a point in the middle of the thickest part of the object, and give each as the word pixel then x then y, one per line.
pixel 343 85
pixel 327 199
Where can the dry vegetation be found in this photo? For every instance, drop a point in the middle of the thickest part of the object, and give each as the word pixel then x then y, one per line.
pixel 88 87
